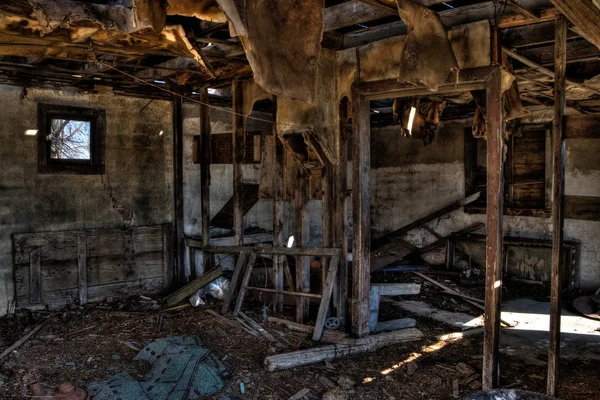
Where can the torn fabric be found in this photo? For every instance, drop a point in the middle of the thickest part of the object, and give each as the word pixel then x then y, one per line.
pixel 282 41
pixel 427 55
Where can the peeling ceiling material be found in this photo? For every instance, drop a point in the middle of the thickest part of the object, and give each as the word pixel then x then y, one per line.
pixel 282 41
pixel 427 55
pixel 43 25
pixel 207 10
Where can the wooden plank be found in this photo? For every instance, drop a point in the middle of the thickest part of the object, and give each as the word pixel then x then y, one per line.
pixel 515 20
pixel 277 175
pixel 285 292
pixel 283 251
pixel 577 51
pixel 327 292
pixel 585 15
pixel 167 257
pixel 558 190
pixel 302 238
pixel 256 238
pixel 351 13
pixel 237 273
pixel 326 216
pixel 361 206
pixel 340 213
pixel 82 268
pixel 315 355
pixel 178 233
pixel 495 204
pixel 57 246
pixel 35 276
pixel 238 144
pixel 582 126
pixel 144 239
pixel 192 261
pixel 205 161
pixel 531 35
pixel 24 339
pixel 548 169
pixel 390 237
pixel 242 293
pixel 192 287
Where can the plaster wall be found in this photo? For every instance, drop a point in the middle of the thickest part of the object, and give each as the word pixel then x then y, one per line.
pixel 137 182
pixel 410 181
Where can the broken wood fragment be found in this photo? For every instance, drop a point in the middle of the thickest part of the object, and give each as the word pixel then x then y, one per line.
pixel 315 355
pixel 193 286
pixel 300 394
pixel 24 339
pixel 256 326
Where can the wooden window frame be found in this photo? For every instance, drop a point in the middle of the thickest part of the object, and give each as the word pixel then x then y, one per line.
pixel 97 120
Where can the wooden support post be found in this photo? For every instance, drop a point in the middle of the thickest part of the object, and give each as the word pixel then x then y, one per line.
pixel 167 257
pixel 237 272
pixel 238 142
pixel 192 259
pixel 245 281
pixel 328 284
pixel 35 276
pixel 450 253
pixel 278 212
pixel 340 214
pixel 361 231
pixel 205 160
pixel 495 204
pixel 558 188
pixel 82 285
pixel 326 217
pixel 178 233
pixel 302 240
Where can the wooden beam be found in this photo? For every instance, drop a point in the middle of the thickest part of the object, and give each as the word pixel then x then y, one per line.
pixel 522 10
pixel 327 291
pixel 495 204
pixel 451 17
pixel 511 21
pixel 390 237
pixel 585 15
pixel 35 276
pixel 82 284
pixel 531 35
pixel 179 236
pixel 351 13
pixel 361 214
pixel 278 177
pixel 340 213
pixel 283 251
pixel 238 147
pixel 577 51
pixel 193 286
pixel 558 188
pixel 237 274
pixel 544 70
pixel 302 238
pixel 205 160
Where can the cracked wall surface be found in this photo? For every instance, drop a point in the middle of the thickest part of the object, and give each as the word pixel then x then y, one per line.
pixel 138 172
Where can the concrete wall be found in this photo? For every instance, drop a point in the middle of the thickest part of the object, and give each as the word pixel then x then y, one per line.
pixel 138 177
pixel 410 181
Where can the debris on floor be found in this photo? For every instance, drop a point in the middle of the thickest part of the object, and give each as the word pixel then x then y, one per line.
pixel 183 368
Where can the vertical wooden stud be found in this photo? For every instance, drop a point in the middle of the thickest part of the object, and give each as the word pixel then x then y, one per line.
pixel 82 284
pixel 278 212
pixel 340 213
pixel 238 142
pixel 35 276
pixel 302 239
pixel 328 284
pixel 558 189
pixel 495 205
pixel 361 213
pixel 178 231
pixel 326 217
pixel 205 161
pixel 167 256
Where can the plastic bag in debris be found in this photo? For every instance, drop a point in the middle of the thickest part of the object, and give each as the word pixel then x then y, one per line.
pixel 196 299
pixel 217 288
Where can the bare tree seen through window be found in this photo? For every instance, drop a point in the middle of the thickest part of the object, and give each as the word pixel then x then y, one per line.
pixel 70 140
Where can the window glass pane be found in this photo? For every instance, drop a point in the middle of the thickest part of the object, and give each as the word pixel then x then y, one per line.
pixel 70 139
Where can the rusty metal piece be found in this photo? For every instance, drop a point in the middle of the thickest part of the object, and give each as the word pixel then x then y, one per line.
pixel 65 391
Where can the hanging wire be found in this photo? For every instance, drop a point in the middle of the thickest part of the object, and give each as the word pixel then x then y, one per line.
pixel 198 101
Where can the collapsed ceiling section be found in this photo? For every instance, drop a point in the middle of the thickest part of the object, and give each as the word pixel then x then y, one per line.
pixel 128 45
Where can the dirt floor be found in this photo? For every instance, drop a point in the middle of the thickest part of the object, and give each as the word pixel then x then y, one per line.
pixel 85 345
